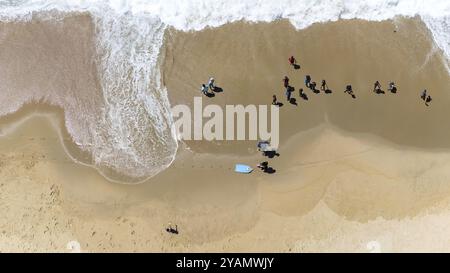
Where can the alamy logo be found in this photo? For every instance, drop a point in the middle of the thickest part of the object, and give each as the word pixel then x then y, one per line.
pixel 231 125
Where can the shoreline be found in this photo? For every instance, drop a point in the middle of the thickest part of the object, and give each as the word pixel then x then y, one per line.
pixel 55 115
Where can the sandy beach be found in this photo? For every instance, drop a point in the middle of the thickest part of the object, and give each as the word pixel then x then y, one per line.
pixel 353 175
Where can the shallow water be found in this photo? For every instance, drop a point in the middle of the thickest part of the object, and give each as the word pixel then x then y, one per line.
pixel 114 107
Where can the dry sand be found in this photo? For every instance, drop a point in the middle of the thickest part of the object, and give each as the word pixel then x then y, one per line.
pixel 353 175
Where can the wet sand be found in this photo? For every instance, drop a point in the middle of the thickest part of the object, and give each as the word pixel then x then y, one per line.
pixel 347 52
pixel 351 173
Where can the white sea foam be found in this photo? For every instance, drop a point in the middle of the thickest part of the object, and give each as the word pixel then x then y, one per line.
pixel 198 14
pixel 130 34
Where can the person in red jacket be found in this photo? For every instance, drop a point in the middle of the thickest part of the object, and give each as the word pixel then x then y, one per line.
pixel 292 60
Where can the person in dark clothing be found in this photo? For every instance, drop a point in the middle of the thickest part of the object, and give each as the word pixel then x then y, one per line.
pixel 307 80
pixel 274 100
pixel 286 82
pixel 428 100
pixel 288 93
pixel 312 86
pixel 172 230
pixel 392 88
pixel 376 87
pixel 263 166
pixel 423 95
pixel 302 94
pixel 349 90
pixel 324 86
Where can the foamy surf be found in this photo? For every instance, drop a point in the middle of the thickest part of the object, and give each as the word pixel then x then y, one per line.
pixel 125 125
pixel 121 116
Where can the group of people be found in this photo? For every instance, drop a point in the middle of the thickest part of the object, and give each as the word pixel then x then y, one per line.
pixel 268 151
pixel 312 85
pixel 211 86
pixel 309 83
pixel 377 87
pixel 393 89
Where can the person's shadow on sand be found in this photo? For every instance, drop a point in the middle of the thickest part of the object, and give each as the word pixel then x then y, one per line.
pixel 328 91
pixel 271 154
pixel 353 95
pixel 210 95
pixel 304 96
pixel 428 100
pixel 279 104
pixel 270 170
pixel 296 66
pixel 380 92
pixel 218 89
pixel 293 101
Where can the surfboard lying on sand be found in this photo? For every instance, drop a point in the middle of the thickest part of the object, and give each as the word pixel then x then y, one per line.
pixel 241 168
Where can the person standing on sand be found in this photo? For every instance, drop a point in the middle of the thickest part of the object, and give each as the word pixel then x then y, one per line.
pixel 392 87
pixel 312 86
pixel 324 86
pixel 428 100
pixel 211 84
pixel 292 60
pixel 172 230
pixel 307 80
pixel 376 86
pixel 423 96
pixel 349 90
pixel 263 165
pixel 204 89
pixel 274 100
pixel 288 93
pixel 286 82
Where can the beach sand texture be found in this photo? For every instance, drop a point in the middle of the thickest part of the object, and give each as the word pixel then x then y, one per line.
pixel 352 173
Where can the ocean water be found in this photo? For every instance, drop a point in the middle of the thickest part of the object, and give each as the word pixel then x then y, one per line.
pixel 125 121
